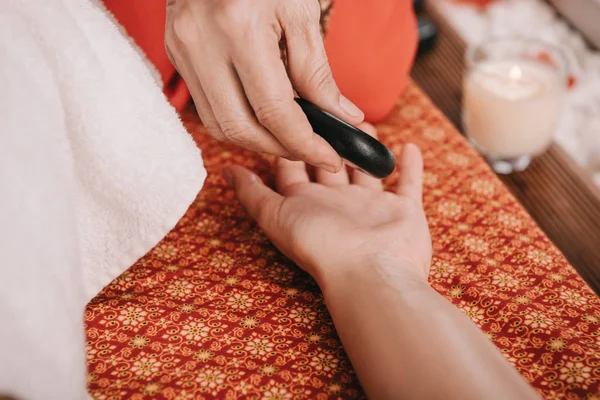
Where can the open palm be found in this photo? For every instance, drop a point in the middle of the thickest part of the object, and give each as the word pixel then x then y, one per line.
pixel 341 220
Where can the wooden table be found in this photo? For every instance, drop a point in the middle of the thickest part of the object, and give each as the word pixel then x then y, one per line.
pixel 558 194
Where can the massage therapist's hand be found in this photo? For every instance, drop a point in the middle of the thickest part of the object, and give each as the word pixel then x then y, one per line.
pixel 340 221
pixel 228 52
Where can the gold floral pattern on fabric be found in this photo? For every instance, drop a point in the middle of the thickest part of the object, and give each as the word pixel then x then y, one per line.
pixel 214 311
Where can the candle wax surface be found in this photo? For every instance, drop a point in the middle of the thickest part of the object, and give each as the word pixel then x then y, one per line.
pixel 520 85
pixel 511 107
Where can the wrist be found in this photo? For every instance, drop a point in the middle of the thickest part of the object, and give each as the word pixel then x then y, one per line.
pixel 375 271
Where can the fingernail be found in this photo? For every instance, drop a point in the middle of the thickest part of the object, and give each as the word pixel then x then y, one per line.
pixel 228 176
pixel 350 108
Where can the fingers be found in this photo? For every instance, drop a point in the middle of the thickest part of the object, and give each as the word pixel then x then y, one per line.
pixel 307 61
pixel 332 179
pixel 213 82
pixel 178 56
pixel 410 183
pixel 290 173
pixel 234 116
pixel 205 111
pixel 360 178
pixel 260 202
pixel 233 51
pixel 269 91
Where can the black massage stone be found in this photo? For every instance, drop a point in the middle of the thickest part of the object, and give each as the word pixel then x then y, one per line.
pixel 352 144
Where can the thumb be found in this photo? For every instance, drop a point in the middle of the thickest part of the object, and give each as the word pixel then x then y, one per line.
pixel 260 202
pixel 311 74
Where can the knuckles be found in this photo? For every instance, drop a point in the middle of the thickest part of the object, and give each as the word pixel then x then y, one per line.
pixel 241 133
pixel 233 19
pixel 233 16
pixel 214 131
pixel 227 18
pixel 270 113
pixel 309 11
pixel 302 11
pixel 184 24
pixel 321 78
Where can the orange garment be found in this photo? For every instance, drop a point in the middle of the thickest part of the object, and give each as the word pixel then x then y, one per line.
pixel 370 47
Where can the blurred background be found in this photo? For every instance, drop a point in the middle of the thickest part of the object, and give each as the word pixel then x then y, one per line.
pixel 560 186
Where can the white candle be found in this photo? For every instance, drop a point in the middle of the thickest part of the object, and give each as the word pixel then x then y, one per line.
pixel 510 108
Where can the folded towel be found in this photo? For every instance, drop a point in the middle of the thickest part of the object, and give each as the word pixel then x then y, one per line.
pixel 88 183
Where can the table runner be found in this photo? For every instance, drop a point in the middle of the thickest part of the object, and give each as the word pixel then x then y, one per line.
pixel 215 311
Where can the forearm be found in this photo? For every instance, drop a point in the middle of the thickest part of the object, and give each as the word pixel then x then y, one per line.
pixel 405 341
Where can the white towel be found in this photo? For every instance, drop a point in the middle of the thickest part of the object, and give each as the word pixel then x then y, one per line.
pixel 95 168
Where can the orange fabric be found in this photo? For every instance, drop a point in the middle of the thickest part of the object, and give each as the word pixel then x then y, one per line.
pixel 371 47
pixel 144 21
pixel 215 311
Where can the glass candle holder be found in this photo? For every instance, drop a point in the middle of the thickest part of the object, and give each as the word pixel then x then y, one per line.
pixel 513 93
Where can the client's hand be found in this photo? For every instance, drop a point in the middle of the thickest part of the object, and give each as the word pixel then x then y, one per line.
pixel 341 221
pixel 369 251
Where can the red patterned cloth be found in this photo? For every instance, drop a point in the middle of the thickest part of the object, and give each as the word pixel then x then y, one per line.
pixel 215 311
